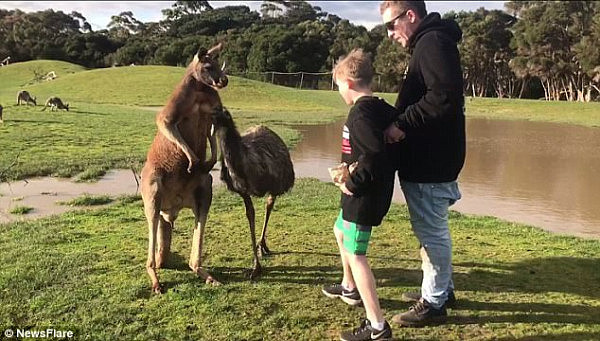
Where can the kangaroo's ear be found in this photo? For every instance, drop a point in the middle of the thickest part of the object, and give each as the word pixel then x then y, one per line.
pixel 215 50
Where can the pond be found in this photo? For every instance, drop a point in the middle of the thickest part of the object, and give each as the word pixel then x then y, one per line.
pixel 541 174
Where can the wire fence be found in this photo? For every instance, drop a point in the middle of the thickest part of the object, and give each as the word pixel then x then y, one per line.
pixel 311 80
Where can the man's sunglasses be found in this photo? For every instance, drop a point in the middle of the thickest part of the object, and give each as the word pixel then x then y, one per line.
pixel 389 25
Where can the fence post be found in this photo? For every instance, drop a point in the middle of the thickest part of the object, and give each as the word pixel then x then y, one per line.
pixel 272 77
pixel 332 81
pixel 301 79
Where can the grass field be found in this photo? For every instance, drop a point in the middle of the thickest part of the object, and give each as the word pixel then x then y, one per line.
pixel 84 270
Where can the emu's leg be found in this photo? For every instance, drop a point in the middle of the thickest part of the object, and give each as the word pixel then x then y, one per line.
pixel 262 248
pixel 165 230
pixel 203 199
pixel 151 209
pixel 250 215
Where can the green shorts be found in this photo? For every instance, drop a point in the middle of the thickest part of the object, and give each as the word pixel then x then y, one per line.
pixel 356 236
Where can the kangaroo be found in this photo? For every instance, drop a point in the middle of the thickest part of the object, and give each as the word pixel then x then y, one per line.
pixel 1 114
pixel 55 103
pixel 25 97
pixel 173 176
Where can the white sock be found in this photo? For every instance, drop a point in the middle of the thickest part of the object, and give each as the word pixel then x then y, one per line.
pixel 377 325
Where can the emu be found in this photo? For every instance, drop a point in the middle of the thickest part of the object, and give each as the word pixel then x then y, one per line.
pixel 176 172
pixel 55 103
pixel 253 164
pixel 24 96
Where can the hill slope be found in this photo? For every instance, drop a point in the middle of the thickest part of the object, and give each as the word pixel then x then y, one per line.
pixel 22 75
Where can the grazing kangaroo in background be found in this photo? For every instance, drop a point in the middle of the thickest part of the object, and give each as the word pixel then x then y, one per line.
pixel 25 97
pixel 1 114
pixel 253 164
pixel 55 103
pixel 176 172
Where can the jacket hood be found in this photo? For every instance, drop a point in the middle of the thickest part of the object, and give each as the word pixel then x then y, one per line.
pixel 434 22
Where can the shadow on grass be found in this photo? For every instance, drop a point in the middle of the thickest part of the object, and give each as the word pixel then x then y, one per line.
pixel 559 337
pixel 39 121
pixel 88 113
pixel 538 275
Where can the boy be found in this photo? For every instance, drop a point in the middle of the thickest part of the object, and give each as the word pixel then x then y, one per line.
pixel 366 194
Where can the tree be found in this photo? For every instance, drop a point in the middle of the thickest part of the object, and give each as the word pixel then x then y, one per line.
pixel 124 25
pixel 182 8
pixel 391 62
pixel 485 52
pixel 546 39
pixel 214 21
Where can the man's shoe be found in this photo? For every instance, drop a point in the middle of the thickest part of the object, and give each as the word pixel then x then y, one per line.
pixel 365 332
pixel 415 297
pixel 421 314
pixel 351 297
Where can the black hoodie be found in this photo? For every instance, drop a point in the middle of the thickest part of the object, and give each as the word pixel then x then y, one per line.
pixel 431 103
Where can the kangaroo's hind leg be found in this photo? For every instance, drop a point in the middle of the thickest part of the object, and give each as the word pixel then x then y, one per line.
pixel 151 197
pixel 165 230
pixel 202 202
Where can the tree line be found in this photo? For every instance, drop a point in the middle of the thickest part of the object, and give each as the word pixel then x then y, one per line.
pixel 532 49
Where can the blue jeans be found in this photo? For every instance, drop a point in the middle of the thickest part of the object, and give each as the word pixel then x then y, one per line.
pixel 428 208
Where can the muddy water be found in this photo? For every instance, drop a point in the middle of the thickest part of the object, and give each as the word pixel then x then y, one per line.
pixel 541 174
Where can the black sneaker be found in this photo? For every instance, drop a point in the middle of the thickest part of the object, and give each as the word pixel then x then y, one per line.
pixel 416 296
pixel 351 297
pixel 365 332
pixel 421 314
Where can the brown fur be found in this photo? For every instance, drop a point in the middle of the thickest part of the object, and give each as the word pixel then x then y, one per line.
pixel 24 96
pixel 55 103
pixel 176 173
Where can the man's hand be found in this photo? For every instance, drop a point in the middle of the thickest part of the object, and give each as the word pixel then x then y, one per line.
pixel 344 189
pixel 393 134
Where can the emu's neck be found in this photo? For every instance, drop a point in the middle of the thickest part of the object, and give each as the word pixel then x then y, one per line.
pixel 230 141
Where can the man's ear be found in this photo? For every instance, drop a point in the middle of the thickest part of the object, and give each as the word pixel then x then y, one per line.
pixel 412 16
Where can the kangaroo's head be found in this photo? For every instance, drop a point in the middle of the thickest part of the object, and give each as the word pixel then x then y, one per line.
pixel 34 100
pixel 206 69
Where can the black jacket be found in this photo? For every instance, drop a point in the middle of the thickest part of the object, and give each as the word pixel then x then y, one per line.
pixel 431 103
pixel 372 182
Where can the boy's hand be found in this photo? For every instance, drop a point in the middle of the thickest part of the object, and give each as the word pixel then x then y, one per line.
pixel 345 190
pixel 393 134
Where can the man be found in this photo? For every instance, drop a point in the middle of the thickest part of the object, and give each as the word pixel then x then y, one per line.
pixel 431 130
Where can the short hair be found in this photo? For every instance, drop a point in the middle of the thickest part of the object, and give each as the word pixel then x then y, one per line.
pixel 417 6
pixel 356 66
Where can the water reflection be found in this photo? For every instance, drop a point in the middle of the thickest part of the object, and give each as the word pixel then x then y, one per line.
pixel 543 174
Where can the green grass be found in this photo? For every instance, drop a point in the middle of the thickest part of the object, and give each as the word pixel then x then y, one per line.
pixel 85 271
pixel 21 210
pixel 21 76
pixel 585 114
pixel 89 200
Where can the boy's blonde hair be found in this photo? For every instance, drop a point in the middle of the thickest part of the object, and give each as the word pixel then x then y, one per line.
pixel 355 66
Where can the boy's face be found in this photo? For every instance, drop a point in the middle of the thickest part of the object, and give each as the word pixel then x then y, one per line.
pixel 344 89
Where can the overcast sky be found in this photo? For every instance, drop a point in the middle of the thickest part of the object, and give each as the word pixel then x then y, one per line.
pixel 98 13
